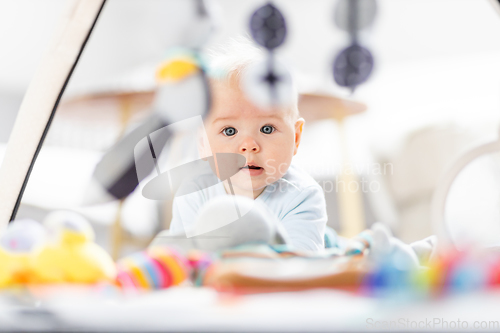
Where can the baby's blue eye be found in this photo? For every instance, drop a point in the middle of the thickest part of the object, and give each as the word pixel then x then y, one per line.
pixel 267 129
pixel 229 131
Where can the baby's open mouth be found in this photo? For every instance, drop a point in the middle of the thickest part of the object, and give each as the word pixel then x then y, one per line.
pixel 252 169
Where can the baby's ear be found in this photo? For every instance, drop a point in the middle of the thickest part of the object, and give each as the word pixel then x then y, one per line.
pixel 299 124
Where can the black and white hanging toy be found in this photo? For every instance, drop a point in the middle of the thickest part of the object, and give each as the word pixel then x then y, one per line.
pixel 182 94
pixel 268 83
pixel 354 64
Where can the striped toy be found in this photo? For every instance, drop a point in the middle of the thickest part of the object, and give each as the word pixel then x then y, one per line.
pixel 155 268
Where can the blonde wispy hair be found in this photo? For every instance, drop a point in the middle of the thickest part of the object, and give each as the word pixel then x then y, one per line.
pixel 227 62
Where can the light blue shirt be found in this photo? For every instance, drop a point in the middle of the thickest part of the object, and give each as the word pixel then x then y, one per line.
pixel 296 200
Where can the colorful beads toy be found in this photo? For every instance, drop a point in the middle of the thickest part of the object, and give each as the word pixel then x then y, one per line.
pixel 493 277
pixel 450 272
pixel 387 279
pixel 200 261
pixel 156 268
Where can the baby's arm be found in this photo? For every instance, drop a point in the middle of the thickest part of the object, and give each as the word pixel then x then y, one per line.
pixel 306 219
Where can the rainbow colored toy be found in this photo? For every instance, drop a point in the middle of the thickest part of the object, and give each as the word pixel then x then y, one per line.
pixel 155 268
pixel 450 272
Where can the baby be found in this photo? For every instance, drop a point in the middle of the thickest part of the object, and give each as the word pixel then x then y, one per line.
pixel 267 138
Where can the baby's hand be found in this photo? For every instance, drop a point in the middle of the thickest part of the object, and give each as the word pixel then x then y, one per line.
pixel 359 243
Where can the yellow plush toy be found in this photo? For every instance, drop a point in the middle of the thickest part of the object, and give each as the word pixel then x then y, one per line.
pixel 19 247
pixel 71 256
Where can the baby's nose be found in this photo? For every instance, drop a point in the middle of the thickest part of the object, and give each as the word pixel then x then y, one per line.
pixel 249 145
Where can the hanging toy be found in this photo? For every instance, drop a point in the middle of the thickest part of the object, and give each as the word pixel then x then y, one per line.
pixel 72 256
pixel 354 64
pixel 268 27
pixel 19 247
pixel 268 83
pixel 183 87
pixel 183 93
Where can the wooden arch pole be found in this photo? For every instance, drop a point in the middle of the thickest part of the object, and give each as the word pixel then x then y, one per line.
pixel 41 101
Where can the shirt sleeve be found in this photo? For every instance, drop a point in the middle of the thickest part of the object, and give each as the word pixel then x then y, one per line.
pixel 306 220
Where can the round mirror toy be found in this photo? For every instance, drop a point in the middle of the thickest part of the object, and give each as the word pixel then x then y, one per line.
pixel 466 204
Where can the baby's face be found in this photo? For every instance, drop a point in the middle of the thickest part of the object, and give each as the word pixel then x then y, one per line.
pixel 268 139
